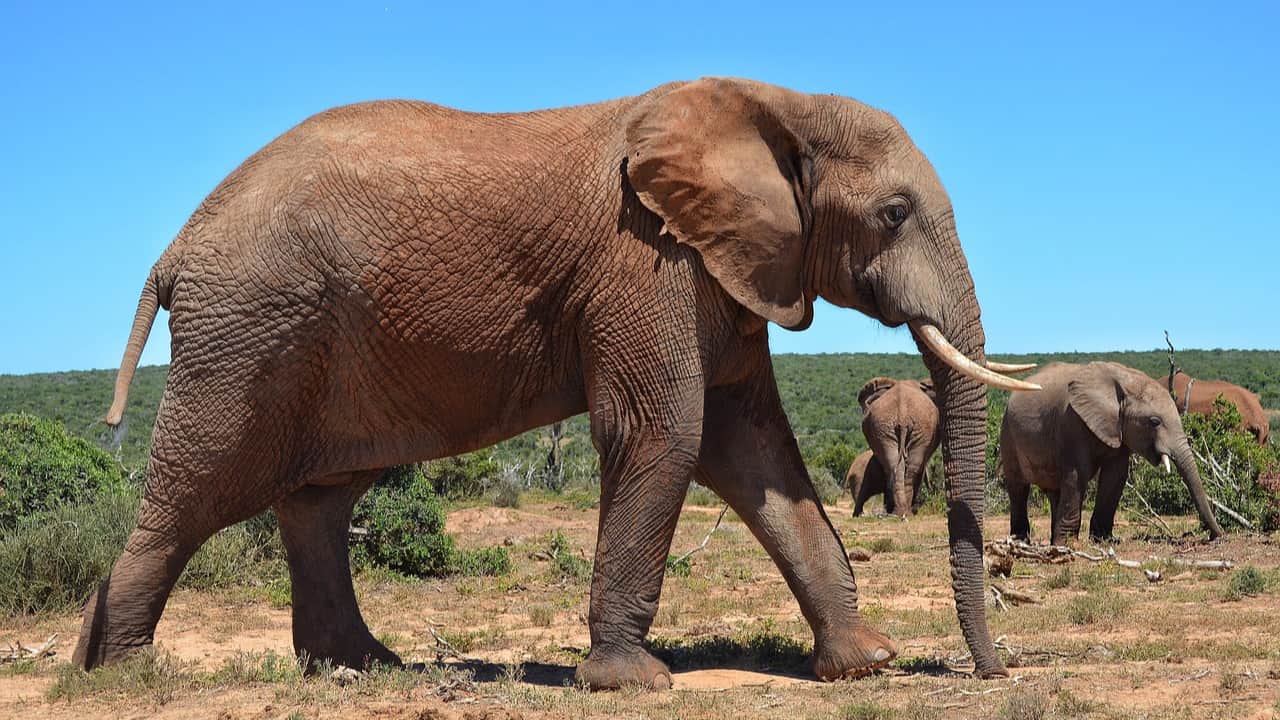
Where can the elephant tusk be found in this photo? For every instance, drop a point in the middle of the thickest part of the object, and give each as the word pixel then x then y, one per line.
pixel 1006 368
pixel 932 337
pixel 1164 459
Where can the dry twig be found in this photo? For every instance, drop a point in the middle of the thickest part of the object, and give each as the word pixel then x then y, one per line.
pixel 705 539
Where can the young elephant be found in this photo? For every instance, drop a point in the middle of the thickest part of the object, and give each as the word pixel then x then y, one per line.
pixel 864 479
pixel 1087 421
pixel 900 422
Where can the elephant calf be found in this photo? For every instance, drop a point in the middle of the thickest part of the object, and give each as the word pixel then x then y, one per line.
pixel 1087 421
pixel 900 422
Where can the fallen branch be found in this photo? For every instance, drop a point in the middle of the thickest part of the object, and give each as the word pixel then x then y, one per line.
pixel 1016 596
pixel 17 652
pixel 1232 514
pixel 705 539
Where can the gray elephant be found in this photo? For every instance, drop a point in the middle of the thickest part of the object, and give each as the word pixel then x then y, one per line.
pixel 392 282
pixel 1087 421
pixel 900 422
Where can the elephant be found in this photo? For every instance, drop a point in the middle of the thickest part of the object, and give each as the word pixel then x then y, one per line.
pixel 397 281
pixel 900 422
pixel 1087 421
pixel 1198 396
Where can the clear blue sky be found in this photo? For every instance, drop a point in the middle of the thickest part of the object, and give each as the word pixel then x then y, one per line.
pixel 1081 142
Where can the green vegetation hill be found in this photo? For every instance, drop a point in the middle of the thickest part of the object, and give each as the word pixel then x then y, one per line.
pixel 819 392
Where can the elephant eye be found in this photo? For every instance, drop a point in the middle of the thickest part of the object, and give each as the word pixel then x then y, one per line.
pixel 1155 421
pixel 894 214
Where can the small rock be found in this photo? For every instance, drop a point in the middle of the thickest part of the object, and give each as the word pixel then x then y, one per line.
pixel 1153 575
pixel 345 675
pixel 512 540
pixel 857 554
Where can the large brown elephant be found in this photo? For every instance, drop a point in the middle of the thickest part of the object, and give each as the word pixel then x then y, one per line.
pixel 1198 396
pixel 391 282
pixel 1087 421
pixel 900 422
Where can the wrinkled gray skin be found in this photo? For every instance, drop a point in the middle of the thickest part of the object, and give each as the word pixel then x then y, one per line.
pixel 392 282
pixel 900 422
pixel 1087 421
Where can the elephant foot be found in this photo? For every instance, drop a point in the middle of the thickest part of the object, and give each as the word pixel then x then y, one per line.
pixel 358 650
pixel 610 669
pixel 100 644
pixel 853 654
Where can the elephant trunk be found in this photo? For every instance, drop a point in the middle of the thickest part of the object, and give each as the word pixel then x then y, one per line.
pixel 1186 464
pixel 962 402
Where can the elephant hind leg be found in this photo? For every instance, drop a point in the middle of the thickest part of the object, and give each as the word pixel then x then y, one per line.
pixel 327 625
pixel 180 510
pixel 1019 494
pixel 121 616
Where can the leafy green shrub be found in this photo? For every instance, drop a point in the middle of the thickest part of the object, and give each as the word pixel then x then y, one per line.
pixel 54 560
pixel 462 476
pixel 404 524
pixel 489 561
pixel 43 466
pixel 509 485
pixel 566 562
pixel 827 488
pixel 1248 581
pixel 835 458
pixel 403 520
pixel 678 566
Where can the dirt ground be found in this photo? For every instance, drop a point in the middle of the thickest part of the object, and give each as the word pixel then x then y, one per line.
pixel 1102 641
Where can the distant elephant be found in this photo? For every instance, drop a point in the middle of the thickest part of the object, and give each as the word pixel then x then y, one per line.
pixel 1087 421
pixel 900 422
pixel 391 282
pixel 1200 399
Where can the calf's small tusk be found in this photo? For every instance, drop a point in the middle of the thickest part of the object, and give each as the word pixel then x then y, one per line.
pixel 1164 460
pixel 933 338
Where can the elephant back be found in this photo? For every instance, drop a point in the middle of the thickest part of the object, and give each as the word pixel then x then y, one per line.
pixel 873 389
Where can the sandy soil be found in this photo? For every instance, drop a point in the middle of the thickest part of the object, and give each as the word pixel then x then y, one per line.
pixel 1102 642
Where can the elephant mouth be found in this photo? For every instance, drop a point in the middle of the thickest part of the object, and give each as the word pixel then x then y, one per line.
pixel 986 373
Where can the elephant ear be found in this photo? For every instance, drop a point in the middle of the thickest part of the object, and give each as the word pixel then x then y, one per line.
pixel 727 178
pixel 872 391
pixel 1095 396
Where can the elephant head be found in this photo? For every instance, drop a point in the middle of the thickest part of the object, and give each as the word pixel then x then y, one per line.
pixel 787 197
pixel 1124 408
pixel 900 422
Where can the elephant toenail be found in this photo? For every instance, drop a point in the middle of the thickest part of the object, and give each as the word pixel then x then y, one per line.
pixel 882 655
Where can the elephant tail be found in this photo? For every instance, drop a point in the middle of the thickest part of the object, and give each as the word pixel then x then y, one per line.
pixel 154 294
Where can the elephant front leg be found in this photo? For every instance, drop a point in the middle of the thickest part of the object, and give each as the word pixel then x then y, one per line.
pixel 750 458
pixel 647 457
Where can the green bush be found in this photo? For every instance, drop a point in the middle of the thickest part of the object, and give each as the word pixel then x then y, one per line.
pixel 403 520
pixel 54 560
pixel 835 458
pixel 827 488
pixel 489 561
pixel 42 466
pixel 463 476
pixel 1248 581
